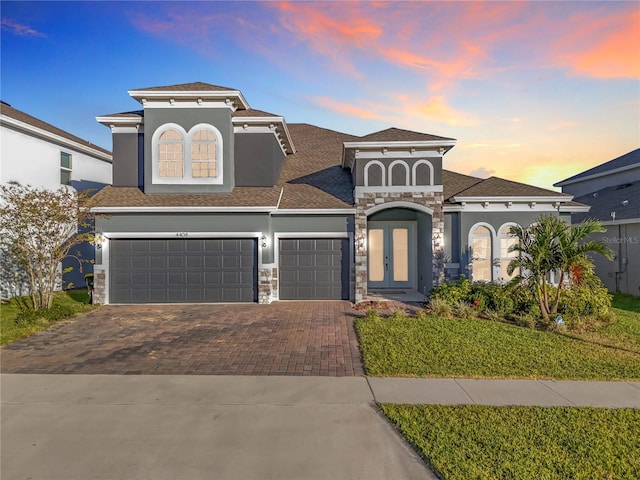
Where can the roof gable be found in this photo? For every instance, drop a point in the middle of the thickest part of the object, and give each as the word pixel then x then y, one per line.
pixel 499 187
pixel 187 87
pixel 400 135
pixel 24 118
pixel 622 162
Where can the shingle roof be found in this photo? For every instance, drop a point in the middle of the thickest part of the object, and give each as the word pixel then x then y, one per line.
pixel 499 187
pixel 400 135
pixel 240 197
pixel 187 87
pixel 251 112
pixel 626 160
pixel 622 199
pixel 454 183
pixel 132 114
pixel 23 117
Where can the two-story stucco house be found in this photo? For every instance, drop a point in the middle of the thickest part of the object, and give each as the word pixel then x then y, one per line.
pixel 214 201
pixel 34 152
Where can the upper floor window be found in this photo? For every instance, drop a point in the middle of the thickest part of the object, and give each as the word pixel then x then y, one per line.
pixel 203 154
pixel 171 154
pixel 181 157
pixel 65 168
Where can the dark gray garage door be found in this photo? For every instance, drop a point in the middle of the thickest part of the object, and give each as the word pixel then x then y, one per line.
pixel 183 270
pixel 314 269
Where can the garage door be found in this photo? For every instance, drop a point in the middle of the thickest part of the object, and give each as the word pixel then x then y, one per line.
pixel 314 269
pixel 183 270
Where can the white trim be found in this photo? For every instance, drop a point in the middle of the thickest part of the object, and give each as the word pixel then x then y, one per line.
pixel 502 207
pixel 399 189
pixel 184 209
pixel 243 129
pixel 574 208
pixel 398 204
pixel 57 139
pixel 514 198
pixel 414 172
pixel 223 95
pixel 279 235
pixel 405 143
pixel 315 211
pixel 125 129
pixel 366 172
pixel 407 170
pixel 134 119
pixel 627 221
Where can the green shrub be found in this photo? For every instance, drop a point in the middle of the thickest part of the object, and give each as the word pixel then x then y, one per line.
pixel 453 292
pixel 439 307
pixel 56 312
pixel 585 306
pixel 465 310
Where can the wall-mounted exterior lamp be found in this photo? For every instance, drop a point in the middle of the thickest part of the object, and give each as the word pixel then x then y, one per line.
pixel 263 241
pixel 361 240
pixel 98 240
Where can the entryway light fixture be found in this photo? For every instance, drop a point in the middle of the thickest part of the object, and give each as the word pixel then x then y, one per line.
pixel 263 241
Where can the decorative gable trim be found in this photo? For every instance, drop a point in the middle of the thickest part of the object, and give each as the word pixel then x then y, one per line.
pixel 275 125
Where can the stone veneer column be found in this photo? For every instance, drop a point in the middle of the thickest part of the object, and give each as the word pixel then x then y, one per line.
pixel 267 284
pixel 367 200
pixel 99 286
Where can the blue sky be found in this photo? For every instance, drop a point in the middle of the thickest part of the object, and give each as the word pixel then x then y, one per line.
pixel 533 91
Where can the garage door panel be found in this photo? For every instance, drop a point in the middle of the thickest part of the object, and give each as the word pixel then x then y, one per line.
pixel 314 269
pixel 183 270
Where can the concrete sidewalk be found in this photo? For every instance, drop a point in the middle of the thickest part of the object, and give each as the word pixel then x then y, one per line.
pixel 241 427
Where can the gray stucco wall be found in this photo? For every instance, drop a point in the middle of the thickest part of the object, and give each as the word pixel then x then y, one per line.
pixel 425 253
pixel 360 163
pixel 187 118
pixel 496 220
pixel 595 184
pixel 622 274
pixel 452 236
pixel 258 159
pixel 125 159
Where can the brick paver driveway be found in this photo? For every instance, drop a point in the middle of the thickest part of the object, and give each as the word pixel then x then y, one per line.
pixel 284 338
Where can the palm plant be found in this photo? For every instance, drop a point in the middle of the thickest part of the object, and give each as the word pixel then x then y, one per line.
pixel 551 245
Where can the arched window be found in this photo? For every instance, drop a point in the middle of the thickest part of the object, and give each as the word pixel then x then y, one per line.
pixel 203 154
pixel 171 154
pixel 398 173
pixel 481 258
pixel 506 242
pixel 374 174
pixel 422 173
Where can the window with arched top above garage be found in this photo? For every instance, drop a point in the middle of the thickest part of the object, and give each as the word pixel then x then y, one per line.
pixel 481 247
pixel 181 157
pixel 171 154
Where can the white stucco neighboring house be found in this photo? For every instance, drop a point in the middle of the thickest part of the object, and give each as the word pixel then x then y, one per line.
pixel 34 152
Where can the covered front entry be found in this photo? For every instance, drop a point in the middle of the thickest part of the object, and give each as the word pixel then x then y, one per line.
pixel 392 255
pixel 181 270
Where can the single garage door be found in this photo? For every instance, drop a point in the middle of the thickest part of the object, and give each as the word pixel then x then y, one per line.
pixel 183 270
pixel 314 269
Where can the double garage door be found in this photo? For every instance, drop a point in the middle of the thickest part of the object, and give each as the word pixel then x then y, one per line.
pixel 224 270
pixel 183 270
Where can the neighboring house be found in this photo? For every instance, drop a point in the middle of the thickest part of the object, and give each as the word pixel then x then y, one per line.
pixel 213 201
pixel 612 189
pixel 33 152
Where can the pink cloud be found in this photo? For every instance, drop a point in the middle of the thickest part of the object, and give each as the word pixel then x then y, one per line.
pixel 20 29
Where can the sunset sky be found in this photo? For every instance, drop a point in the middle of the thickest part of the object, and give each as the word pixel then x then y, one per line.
pixel 532 91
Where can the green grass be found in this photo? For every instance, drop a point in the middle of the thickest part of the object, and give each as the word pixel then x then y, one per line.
pixel 478 442
pixel 427 346
pixel 72 301
pixel 626 302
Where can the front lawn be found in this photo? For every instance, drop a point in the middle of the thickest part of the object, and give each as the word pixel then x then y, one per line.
pixel 431 346
pixel 65 305
pixel 479 442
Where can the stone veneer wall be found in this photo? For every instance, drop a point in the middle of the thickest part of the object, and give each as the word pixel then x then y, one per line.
pixel 367 200
pixel 99 286
pixel 267 284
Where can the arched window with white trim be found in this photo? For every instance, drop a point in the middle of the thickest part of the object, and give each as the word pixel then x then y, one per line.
pixel 481 245
pixel 506 242
pixel 374 174
pixel 422 173
pixel 399 173
pixel 171 154
pixel 203 154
